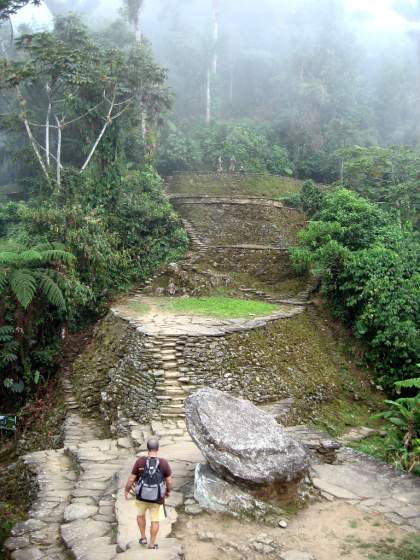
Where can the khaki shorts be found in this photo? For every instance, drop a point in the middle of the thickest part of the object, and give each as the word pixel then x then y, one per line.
pixel 156 511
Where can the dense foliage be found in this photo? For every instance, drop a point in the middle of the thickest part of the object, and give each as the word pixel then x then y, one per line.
pixel 189 148
pixel 402 442
pixel 95 219
pixel 369 266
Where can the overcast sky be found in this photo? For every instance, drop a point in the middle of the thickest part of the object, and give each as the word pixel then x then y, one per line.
pixel 379 9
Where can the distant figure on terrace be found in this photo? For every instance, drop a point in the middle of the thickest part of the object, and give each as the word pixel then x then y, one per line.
pixel 220 165
pixel 242 169
pixel 152 477
pixel 232 165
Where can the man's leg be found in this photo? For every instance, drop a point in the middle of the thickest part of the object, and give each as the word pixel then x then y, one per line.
pixel 154 530
pixel 141 522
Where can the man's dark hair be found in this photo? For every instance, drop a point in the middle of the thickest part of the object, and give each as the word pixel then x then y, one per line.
pixel 153 444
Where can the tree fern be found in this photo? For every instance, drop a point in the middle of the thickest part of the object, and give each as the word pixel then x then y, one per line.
pixel 23 285
pixel 52 291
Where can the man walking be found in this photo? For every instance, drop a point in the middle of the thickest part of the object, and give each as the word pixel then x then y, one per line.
pixel 153 478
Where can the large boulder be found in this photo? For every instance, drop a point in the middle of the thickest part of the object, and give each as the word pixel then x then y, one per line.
pixel 241 442
pixel 215 494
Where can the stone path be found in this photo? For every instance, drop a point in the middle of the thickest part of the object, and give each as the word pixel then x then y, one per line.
pixel 183 455
pixel 157 321
pixel 38 538
pixel 371 485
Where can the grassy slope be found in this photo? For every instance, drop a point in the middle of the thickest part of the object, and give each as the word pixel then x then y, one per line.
pixel 215 306
pixel 236 185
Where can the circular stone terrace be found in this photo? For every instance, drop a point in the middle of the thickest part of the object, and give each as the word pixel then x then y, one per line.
pixel 200 316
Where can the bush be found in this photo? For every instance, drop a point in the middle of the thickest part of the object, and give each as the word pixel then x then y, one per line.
pixel 369 267
pixel 402 427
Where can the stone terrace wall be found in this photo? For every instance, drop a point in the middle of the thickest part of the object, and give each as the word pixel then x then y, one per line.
pixel 120 373
pixel 117 375
pixel 237 223
pixel 265 264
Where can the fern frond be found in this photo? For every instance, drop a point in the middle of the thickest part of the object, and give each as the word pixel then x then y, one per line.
pixel 52 291
pixel 7 358
pixel 30 256
pixel 8 258
pixel 42 247
pixel 58 278
pixel 53 255
pixel 23 285
pixel 408 383
pixel 4 280
pixel 6 330
pixel 409 402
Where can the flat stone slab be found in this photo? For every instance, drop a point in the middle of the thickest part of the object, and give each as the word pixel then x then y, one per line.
pixel 79 511
pixel 78 531
pixel 158 321
pixel 296 555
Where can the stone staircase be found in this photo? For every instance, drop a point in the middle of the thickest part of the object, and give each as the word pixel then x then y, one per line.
pixel 172 393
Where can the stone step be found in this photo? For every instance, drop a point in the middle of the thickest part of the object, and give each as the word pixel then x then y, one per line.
pixel 172 374
pixel 172 415
pixel 173 409
pixel 167 399
pixel 172 365
pixel 168 358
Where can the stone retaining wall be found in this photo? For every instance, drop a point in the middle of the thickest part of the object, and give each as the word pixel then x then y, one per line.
pixel 230 224
pixel 122 372
pixel 118 373
pixel 265 264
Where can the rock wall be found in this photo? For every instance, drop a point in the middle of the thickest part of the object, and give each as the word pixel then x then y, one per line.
pixel 242 223
pixel 265 264
pixel 118 373
pixel 121 372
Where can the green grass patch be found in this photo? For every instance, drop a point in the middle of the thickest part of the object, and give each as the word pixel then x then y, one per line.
pixel 389 549
pixel 217 306
pixel 139 307
pixel 375 446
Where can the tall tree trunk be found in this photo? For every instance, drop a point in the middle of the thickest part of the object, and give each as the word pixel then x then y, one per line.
pixel 47 126
pixel 31 137
pixel 59 137
pixel 208 97
pixel 212 69
pixel 215 59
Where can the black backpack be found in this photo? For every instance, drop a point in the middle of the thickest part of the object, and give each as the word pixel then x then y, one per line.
pixel 151 486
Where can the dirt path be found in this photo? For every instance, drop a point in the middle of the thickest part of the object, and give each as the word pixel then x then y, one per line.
pixel 325 530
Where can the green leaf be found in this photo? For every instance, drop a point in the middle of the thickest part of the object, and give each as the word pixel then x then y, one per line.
pixel 23 285
pixel 52 291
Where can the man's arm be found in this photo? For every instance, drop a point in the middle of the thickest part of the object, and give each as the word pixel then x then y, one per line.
pixel 131 480
pixel 169 485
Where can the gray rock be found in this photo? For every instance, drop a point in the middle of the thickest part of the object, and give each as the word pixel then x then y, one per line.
pixel 83 530
pixel 215 494
pixel 296 555
pixel 27 527
pixel 27 554
pixel 283 524
pixel 241 441
pixel 193 509
pixel 79 511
